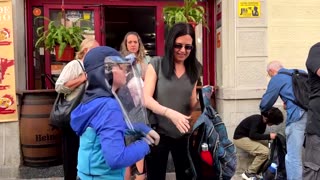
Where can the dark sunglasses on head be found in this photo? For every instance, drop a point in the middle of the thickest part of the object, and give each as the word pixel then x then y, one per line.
pixel 186 46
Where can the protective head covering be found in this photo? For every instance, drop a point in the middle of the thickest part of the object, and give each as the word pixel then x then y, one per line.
pixel 110 75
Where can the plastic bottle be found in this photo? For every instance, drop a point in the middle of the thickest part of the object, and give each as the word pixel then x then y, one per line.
pixel 271 172
pixel 205 154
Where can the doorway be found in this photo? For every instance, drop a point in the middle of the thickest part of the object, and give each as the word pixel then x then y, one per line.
pixel 121 19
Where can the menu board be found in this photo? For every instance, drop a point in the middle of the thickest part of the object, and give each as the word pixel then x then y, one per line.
pixel 8 101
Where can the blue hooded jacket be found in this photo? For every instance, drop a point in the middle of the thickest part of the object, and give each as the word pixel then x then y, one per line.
pixel 99 122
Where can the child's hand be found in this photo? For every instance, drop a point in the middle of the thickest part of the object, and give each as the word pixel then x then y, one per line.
pixel 273 135
pixel 153 137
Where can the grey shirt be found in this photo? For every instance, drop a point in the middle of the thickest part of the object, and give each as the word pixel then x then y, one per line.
pixel 174 94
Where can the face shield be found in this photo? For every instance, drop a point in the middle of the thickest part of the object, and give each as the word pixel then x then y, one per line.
pixel 127 89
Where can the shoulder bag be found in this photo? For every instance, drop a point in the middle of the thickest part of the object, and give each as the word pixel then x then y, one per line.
pixel 61 110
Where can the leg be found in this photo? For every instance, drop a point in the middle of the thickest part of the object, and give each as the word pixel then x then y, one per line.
pixel 254 148
pixel 70 146
pixel 180 158
pixel 127 174
pixel 157 160
pixel 295 137
pixel 311 170
pixel 140 168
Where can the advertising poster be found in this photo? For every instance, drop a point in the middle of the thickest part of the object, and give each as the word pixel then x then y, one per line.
pixel 8 101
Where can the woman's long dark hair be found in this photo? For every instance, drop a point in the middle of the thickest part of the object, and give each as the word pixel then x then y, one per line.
pixel 191 64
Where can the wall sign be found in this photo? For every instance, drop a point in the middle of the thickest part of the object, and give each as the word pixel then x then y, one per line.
pixel 249 9
pixel 8 101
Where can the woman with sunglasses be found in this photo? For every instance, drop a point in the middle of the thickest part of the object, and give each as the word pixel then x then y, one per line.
pixel 170 93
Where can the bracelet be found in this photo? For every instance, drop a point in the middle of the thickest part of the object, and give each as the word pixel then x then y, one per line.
pixel 164 112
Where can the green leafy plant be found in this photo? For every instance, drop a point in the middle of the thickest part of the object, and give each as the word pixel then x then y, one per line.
pixel 190 12
pixel 59 35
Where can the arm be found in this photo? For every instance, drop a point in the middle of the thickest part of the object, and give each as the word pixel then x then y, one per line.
pixel 318 72
pixel 70 78
pixel 254 135
pixel 270 96
pixel 193 99
pixel 72 84
pixel 181 121
pixel 111 133
pixel 149 88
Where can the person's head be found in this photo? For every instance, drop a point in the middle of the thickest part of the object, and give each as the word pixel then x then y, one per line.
pixel 180 47
pixel 273 116
pixel 132 43
pixel 106 72
pixel 85 46
pixel 273 67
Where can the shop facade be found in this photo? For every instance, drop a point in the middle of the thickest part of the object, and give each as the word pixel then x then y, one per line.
pixel 234 52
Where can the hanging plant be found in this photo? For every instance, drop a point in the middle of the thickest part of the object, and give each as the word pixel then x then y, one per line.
pixel 60 35
pixel 190 12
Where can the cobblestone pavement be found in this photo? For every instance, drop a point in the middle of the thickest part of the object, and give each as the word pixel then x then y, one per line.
pixel 56 173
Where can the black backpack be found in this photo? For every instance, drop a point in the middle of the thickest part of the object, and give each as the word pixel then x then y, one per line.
pixel 301 88
pixel 277 155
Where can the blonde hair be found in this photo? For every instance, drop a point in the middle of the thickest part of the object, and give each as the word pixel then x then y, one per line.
pixel 85 45
pixel 141 51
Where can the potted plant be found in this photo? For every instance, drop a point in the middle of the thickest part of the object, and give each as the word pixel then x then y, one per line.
pixel 190 12
pixel 64 40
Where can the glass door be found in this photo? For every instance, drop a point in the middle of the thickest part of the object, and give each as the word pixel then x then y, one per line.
pixel 46 67
pixel 120 20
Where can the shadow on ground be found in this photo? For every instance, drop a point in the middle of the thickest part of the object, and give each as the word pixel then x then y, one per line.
pixel 40 172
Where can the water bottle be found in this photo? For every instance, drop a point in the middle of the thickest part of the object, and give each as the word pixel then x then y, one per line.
pixel 205 154
pixel 271 172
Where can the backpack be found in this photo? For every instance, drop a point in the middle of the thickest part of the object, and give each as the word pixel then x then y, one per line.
pixel 301 88
pixel 210 129
pixel 277 155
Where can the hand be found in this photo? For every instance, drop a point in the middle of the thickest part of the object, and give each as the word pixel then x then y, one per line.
pixel 153 137
pixel 273 135
pixel 284 106
pixel 179 120
pixel 208 90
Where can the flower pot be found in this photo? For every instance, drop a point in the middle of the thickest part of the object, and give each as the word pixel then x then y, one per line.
pixel 67 55
pixel 193 24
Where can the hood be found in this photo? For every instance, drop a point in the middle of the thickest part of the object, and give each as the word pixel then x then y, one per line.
pixel 98 83
pixel 314 53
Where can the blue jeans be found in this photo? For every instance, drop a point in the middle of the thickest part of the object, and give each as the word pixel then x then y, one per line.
pixel 295 138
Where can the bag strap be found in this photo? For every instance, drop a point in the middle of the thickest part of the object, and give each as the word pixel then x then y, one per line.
pixel 296 71
pixel 81 66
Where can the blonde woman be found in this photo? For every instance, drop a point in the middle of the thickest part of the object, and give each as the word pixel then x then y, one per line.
pixel 132 44
pixel 69 83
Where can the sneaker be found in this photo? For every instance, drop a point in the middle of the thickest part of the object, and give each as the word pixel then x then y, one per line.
pixel 249 176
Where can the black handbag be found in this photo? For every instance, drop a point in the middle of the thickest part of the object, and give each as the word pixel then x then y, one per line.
pixel 61 110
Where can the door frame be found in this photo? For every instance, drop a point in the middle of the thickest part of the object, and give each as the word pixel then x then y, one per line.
pixel 208 45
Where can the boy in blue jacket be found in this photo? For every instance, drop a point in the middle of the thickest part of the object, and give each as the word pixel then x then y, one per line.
pixel 101 121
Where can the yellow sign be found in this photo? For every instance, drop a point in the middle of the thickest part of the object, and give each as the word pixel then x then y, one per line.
pixel 249 9
pixel 8 101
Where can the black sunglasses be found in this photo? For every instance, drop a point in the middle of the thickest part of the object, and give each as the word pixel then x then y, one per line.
pixel 186 46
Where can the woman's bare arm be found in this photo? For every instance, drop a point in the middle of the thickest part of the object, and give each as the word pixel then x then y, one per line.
pixel 149 88
pixel 193 99
pixel 181 121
